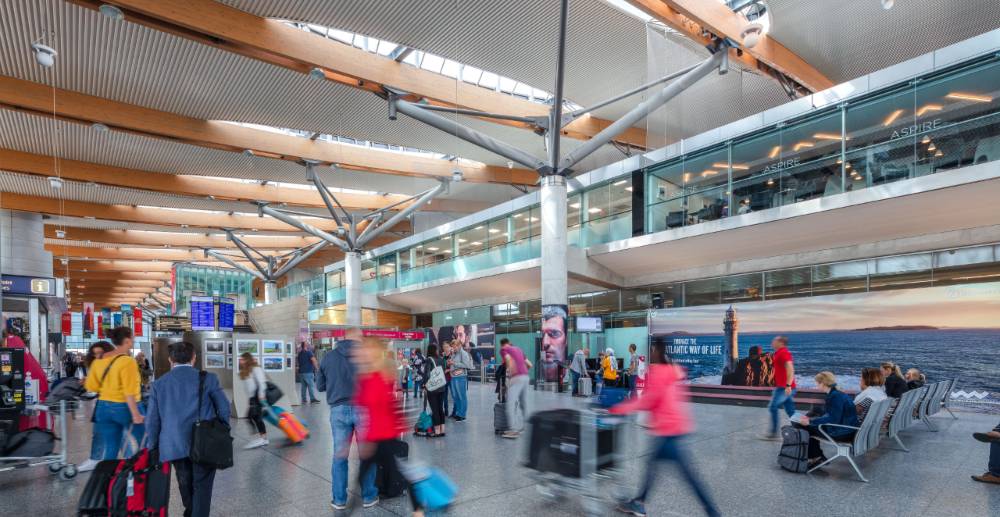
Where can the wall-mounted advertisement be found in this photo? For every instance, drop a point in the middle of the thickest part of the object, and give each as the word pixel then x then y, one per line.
pixel 478 338
pixel 554 331
pixel 945 332
pixel 88 318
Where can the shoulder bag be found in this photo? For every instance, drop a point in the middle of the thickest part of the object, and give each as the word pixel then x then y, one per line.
pixel 93 416
pixel 436 379
pixel 211 443
pixel 272 393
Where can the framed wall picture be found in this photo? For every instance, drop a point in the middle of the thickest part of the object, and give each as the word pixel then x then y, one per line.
pixel 215 361
pixel 248 345
pixel 272 346
pixel 274 363
pixel 214 347
pixel 229 362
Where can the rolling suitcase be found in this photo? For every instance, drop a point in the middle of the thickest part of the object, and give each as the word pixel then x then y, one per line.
pixel 500 423
pixel 554 443
pixel 586 388
pixel 389 482
pixel 292 427
pixel 140 486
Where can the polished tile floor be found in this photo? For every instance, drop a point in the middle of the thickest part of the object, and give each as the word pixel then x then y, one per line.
pixel 290 481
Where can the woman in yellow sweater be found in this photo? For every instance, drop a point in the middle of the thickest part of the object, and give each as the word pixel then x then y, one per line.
pixel 610 368
pixel 115 378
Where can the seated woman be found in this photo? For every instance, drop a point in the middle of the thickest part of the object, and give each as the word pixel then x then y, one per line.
pixel 838 409
pixel 872 390
pixel 915 379
pixel 895 385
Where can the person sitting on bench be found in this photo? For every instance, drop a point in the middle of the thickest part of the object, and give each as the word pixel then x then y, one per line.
pixel 838 409
pixel 993 438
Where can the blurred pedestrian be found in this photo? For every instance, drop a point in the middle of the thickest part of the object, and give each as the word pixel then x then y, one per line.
pixel 255 385
pixel 417 365
pixel 633 369
pixel 445 351
pixel 578 369
pixel 173 410
pixel 337 378
pixel 435 394
pixel 517 386
pixel 307 366
pixel 666 400
pixel 379 414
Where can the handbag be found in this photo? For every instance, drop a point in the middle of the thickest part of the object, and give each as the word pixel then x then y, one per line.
pixel 436 380
pixel 272 393
pixel 211 442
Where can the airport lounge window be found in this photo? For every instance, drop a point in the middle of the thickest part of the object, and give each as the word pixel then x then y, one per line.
pixel 706 178
pixel 757 166
pixel 703 292
pixel 499 232
pixel 881 140
pixel 742 288
pixel 472 241
pixel 664 196
pixel 905 271
pixel 958 119
pixel 788 283
pixel 437 250
pixel 843 277
pixel 574 210
pixel 809 162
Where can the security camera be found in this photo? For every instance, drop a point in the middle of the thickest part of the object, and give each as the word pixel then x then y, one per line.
pixel 510 164
pixel 60 234
pixel 55 182
pixel 751 34
pixel 44 54
pixel 456 175
pixel 887 4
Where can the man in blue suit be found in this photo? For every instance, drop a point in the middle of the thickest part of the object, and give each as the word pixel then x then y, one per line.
pixel 173 403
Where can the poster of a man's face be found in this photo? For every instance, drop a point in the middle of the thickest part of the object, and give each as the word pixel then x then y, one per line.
pixel 553 339
pixel 461 335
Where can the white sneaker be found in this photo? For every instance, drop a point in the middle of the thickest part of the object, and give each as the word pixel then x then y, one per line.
pixel 257 442
pixel 86 466
pixel 266 441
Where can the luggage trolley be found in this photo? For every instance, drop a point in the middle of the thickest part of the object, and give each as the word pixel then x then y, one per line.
pixel 57 461
pixel 578 451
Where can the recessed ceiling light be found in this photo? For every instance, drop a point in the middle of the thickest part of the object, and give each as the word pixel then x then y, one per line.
pixel 628 189
pixel 932 147
pixel 774 152
pixel 433 248
pixel 533 219
pixel 887 4
pixel 571 205
pixel 802 144
pixel 55 182
pixel 892 117
pixel 594 210
pixel 317 73
pixel 476 243
pixel 97 126
pixel 929 107
pixel 969 97
pixel 620 182
pixel 60 234
pixel 827 136
pixel 462 240
pixel 112 12
pixel 494 230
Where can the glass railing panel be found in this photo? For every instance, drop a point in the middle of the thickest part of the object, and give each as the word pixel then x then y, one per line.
pixel 668 214
pixel 336 295
pixel 573 236
pixel 607 229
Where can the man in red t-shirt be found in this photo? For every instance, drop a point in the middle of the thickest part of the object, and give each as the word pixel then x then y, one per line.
pixel 784 384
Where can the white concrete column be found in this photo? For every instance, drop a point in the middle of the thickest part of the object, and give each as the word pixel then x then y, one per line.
pixel 554 267
pixel 352 286
pixel 270 293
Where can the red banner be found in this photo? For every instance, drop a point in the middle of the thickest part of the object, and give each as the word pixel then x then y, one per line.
pixel 67 323
pixel 100 327
pixel 137 321
pixel 407 335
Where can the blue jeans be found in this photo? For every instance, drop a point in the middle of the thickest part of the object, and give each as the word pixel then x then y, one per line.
pixel 416 388
pixel 447 388
pixel 632 379
pixel 994 466
pixel 343 421
pixel 308 381
pixel 575 379
pixel 112 421
pixel 780 399
pixel 669 448
pixel 459 392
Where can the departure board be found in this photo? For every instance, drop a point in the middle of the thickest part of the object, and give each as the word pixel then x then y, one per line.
pixel 227 311
pixel 202 313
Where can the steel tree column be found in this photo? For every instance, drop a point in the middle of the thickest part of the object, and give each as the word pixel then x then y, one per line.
pixel 352 272
pixel 270 292
pixel 554 269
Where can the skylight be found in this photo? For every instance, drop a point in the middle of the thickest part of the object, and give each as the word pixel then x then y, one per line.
pixel 435 63
pixel 360 143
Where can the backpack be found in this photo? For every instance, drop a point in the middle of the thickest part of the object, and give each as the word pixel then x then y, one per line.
pixel 67 388
pixel 794 453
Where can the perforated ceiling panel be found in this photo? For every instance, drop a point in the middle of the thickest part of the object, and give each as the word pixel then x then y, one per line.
pixel 846 39
pixel 136 65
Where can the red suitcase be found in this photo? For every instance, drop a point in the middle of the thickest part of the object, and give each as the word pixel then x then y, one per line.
pixel 140 487
pixel 292 427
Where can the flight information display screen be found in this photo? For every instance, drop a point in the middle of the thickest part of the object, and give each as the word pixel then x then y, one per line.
pixel 202 313
pixel 227 311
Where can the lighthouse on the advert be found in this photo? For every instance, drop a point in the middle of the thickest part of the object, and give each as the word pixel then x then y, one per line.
pixel 731 327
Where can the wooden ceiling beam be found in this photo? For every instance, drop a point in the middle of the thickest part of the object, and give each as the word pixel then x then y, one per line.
pixel 74 275
pixel 695 18
pixel 149 284
pixel 177 239
pixel 206 186
pixel 43 100
pixel 271 41
pixel 157 216
pixel 321 258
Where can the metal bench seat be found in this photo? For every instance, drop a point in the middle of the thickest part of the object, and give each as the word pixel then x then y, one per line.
pixel 866 437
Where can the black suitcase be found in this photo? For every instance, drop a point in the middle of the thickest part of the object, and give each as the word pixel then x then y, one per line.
pixel 31 443
pixel 794 453
pixel 94 498
pixel 500 423
pixel 554 443
pixel 391 483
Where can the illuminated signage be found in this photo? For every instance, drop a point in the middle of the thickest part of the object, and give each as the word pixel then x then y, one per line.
pixel 29 286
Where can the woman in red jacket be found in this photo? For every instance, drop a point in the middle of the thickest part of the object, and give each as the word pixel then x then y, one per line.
pixel 666 399
pixel 381 417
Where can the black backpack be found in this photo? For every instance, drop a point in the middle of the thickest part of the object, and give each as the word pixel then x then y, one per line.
pixel 31 443
pixel 794 453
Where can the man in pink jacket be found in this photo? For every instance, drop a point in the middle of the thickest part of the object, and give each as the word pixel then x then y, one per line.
pixel 666 399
